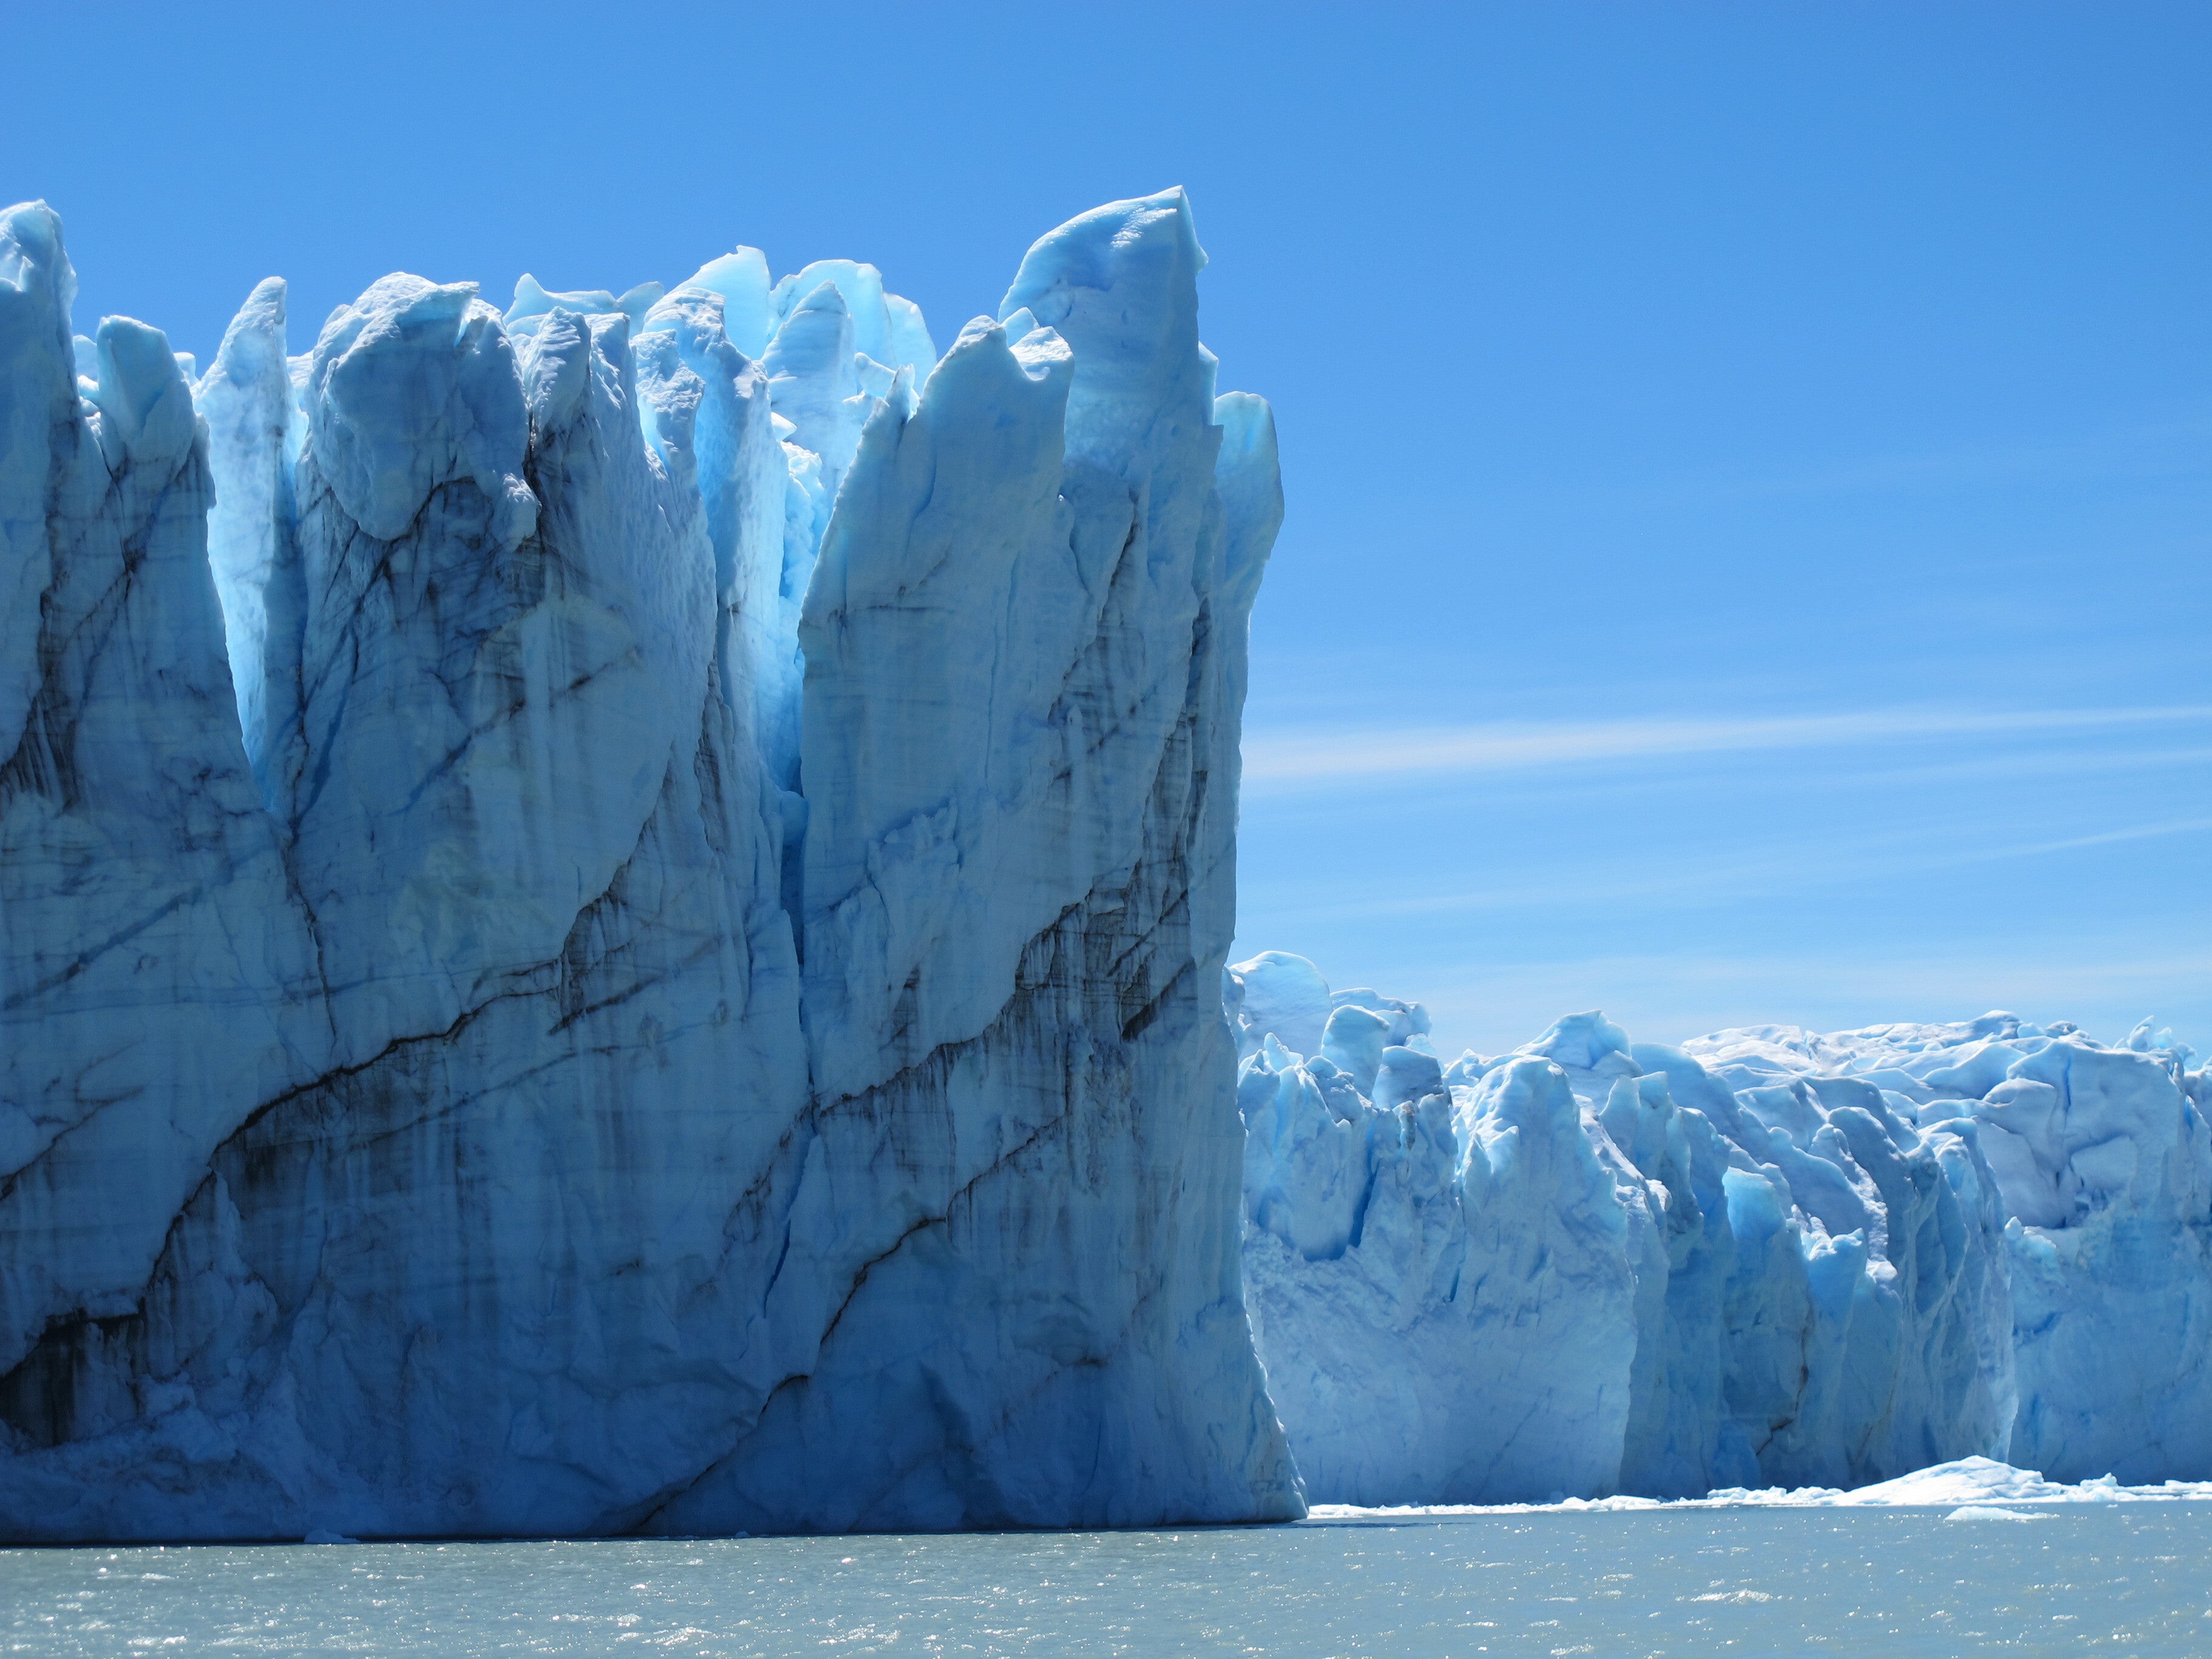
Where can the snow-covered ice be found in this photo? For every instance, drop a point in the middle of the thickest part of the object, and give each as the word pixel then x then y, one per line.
pixel 1764 1260
pixel 612 908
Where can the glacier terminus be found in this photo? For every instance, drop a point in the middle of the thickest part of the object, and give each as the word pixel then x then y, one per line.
pixel 1766 1259
pixel 615 917
pixel 614 912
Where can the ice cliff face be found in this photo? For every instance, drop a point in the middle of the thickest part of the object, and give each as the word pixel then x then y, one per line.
pixel 612 911
pixel 1765 1259
pixel 612 915
pixel 2104 1161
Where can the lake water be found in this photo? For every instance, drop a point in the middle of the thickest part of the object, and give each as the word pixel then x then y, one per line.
pixel 2132 1579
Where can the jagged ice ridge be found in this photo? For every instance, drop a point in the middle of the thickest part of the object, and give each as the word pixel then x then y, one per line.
pixel 1765 1259
pixel 613 911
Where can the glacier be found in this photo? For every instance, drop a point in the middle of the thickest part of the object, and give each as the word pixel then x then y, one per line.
pixel 2104 1161
pixel 613 908
pixel 617 918
pixel 1765 1260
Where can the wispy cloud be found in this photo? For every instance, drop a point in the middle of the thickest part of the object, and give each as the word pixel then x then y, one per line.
pixel 1733 875
pixel 1954 770
pixel 1324 756
pixel 2140 832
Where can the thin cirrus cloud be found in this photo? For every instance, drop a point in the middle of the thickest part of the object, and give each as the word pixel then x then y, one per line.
pixel 1734 877
pixel 1284 757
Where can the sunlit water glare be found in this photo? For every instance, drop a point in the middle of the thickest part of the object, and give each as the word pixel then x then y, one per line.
pixel 2131 1578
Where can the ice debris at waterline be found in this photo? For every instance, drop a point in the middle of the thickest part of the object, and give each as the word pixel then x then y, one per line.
pixel 1973 1488
pixel 613 913
pixel 1764 1259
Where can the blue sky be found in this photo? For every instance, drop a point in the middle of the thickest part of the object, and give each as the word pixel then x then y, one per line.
pixel 1750 465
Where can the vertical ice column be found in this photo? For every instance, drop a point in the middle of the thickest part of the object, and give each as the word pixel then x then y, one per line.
pixel 1014 1226
pixel 740 279
pixel 835 344
pixel 246 400
pixel 1871 1303
pixel 155 984
pixel 580 848
pixel 480 1275
pixel 1445 1291
pixel 1677 1442
pixel 423 673
pixel 2108 1162
pixel 689 365
pixel 489 706
pixel 887 329
pixel 924 743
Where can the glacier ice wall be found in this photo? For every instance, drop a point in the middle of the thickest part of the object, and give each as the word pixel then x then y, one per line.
pixel 2104 1161
pixel 1017 892
pixel 613 909
pixel 1766 1258
pixel 612 915
pixel 158 980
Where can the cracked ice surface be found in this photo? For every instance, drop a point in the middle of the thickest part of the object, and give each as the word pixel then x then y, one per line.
pixel 613 910
pixel 1766 1260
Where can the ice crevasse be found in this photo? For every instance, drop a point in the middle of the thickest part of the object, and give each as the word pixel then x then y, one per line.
pixel 1765 1259
pixel 612 911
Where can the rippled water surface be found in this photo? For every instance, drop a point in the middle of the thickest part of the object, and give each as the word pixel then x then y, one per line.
pixel 2125 1578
